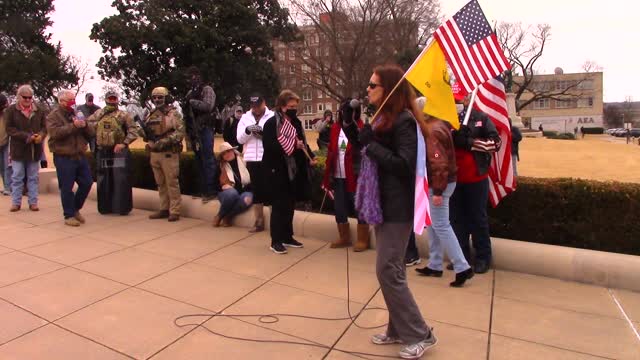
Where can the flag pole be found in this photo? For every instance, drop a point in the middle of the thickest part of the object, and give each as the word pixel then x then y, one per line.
pixel 424 51
pixel 468 114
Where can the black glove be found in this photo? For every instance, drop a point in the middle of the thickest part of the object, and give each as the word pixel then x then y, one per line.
pixel 365 136
pixel 462 138
pixel 346 113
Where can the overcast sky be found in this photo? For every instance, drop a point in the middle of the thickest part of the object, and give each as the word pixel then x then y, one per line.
pixel 606 32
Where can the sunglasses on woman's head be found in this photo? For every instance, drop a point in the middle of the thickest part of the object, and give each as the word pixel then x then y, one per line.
pixel 373 85
pixel 26 97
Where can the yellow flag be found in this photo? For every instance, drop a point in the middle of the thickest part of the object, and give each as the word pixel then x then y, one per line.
pixel 430 76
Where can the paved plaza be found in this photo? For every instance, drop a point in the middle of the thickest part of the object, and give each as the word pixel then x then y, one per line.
pixel 112 289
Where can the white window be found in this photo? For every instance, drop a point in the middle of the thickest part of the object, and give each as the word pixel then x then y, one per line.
pixel 308 125
pixel 585 102
pixel 281 56
pixel 328 106
pixel 562 85
pixel 305 68
pixel 317 52
pixel 292 69
pixel 306 96
pixel 292 54
pixel 326 51
pixel 308 109
pixel 305 54
pixel 320 94
pixel 320 107
pixel 586 85
pixel 563 104
pixel 541 104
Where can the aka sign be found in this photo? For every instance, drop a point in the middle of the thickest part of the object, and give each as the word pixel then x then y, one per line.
pixel 586 120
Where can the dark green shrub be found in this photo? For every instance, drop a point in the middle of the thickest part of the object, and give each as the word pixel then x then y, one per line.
pixel 563 136
pixel 548 133
pixel 584 214
pixel 593 130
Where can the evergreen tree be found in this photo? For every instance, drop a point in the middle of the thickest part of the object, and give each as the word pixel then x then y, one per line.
pixel 26 56
pixel 153 42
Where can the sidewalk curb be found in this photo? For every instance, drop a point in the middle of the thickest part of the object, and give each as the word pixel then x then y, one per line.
pixel 606 269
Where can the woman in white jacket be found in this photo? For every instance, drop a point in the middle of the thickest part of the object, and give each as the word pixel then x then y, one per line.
pixel 250 136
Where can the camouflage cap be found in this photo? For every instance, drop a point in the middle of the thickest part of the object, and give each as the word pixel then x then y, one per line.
pixel 111 93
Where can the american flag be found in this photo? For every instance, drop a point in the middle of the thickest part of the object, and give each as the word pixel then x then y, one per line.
pixel 471 47
pixel 421 213
pixel 491 100
pixel 287 137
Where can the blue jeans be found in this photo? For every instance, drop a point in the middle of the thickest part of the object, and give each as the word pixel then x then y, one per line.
pixel 5 169
pixel 441 235
pixel 468 217
pixel 206 162
pixel 344 202
pixel 232 203
pixel 72 171
pixel 17 181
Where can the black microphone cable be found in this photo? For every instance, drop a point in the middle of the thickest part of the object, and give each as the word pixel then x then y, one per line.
pixel 274 318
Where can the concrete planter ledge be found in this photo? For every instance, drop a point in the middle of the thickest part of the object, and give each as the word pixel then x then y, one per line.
pixel 610 270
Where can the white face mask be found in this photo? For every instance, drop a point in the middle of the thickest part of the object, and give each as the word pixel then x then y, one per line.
pixel 459 108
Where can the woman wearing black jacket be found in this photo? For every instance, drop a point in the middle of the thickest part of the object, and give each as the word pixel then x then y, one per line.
pixel 286 161
pixel 391 142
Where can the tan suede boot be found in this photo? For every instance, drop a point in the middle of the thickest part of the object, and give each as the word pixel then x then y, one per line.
pixel 259 215
pixel 363 238
pixel 344 238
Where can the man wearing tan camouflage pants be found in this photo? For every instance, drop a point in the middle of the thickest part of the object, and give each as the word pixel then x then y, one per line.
pixel 163 130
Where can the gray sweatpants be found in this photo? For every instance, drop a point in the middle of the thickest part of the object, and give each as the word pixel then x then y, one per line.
pixel 405 320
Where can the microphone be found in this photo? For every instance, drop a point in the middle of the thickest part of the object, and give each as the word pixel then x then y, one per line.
pixel 355 103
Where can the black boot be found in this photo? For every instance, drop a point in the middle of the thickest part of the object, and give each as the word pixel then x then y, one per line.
pixel 461 277
pixel 426 271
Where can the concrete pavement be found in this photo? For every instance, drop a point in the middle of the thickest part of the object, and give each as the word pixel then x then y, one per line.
pixel 111 289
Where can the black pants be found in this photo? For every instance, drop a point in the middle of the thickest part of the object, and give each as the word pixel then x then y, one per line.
pixel 258 183
pixel 468 215
pixel 343 202
pixel 282 208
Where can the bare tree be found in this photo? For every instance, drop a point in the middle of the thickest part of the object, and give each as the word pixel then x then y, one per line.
pixel 83 69
pixel 591 66
pixel 524 46
pixel 340 41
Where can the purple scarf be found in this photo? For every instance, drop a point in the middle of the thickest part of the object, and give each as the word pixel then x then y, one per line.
pixel 368 192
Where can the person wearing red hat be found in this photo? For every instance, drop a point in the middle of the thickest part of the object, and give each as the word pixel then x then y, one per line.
pixel 474 143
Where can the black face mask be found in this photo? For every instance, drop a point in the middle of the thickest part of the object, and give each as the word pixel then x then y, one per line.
pixel 291 113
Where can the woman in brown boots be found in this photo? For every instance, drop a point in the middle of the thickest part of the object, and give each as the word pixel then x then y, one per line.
pixel 236 196
pixel 341 173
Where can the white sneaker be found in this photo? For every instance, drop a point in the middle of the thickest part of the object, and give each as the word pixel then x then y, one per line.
pixel 384 339
pixel 416 351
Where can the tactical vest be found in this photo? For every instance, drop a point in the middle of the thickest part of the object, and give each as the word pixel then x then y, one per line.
pixel 109 131
pixel 160 124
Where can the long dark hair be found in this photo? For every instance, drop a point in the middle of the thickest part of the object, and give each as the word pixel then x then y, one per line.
pixel 404 97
